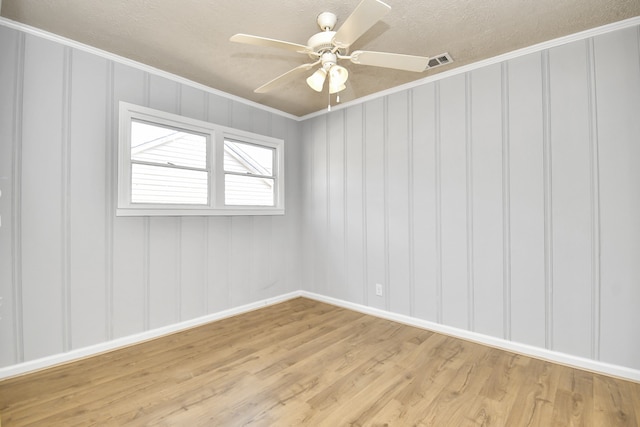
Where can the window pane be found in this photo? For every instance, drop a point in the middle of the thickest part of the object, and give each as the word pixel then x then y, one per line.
pixel 167 146
pixel 248 158
pixel 160 184
pixel 248 191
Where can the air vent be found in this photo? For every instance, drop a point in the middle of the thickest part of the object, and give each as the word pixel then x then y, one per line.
pixel 439 60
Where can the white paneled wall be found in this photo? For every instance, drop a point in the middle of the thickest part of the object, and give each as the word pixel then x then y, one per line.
pixel 72 274
pixel 504 201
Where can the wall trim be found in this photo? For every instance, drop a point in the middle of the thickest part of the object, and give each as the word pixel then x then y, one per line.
pixel 138 65
pixel 593 32
pixel 459 70
pixel 93 350
pixel 524 349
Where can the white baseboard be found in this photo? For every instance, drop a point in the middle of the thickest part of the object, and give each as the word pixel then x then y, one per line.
pixel 524 349
pixel 537 352
pixel 46 362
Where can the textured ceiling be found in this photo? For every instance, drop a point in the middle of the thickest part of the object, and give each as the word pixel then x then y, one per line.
pixel 190 38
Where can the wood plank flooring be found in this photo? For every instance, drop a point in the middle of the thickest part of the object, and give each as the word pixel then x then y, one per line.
pixel 302 362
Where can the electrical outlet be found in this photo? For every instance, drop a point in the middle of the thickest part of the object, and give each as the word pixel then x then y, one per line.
pixel 378 289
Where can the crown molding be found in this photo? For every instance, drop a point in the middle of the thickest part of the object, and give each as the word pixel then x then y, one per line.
pixel 440 76
pixel 631 22
pixel 138 65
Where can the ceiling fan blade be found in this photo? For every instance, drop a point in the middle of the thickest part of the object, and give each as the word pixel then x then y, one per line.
pixel 390 60
pixel 365 16
pixel 263 41
pixel 283 78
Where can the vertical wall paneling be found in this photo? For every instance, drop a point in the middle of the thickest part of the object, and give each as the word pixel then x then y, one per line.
pixel 130 235
pixel 617 82
pixel 194 103
pixel 219 250
pixel 487 200
pixel 308 231
pixel 65 184
pixel 410 207
pixel 164 274
pixel 291 222
pixel 319 202
pixel 42 238
pixel 385 203
pixel 453 221
pixel 468 158
pixel 526 200
pixel 241 260
pixel 16 229
pixel 506 202
pixel 375 201
pixel 87 207
pixel 74 274
pixel 571 199
pixel 193 256
pixel 193 231
pixel 423 164
pixel 280 258
pixel 595 204
pixel 397 203
pixel 241 116
pixel 354 206
pixel 164 232
pixel 146 272
pixel 110 156
pixel 515 208
pixel 12 43
pixel 219 110
pixel 336 283
pixel 261 122
pixel 548 199
pixel 261 279
pixel 438 199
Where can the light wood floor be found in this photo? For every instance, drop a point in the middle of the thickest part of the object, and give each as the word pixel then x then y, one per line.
pixel 307 363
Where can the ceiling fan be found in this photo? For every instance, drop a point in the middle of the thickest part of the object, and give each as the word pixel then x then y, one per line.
pixel 327 47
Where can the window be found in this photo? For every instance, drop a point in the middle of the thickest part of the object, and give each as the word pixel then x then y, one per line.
pixel 173 165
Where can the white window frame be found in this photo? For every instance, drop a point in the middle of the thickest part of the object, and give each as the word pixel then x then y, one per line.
pixel 216 135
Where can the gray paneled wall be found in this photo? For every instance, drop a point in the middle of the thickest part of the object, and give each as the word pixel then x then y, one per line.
pixel 504 201
pixel 71 273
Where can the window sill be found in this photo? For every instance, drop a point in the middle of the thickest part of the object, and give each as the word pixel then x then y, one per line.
pixel 232 211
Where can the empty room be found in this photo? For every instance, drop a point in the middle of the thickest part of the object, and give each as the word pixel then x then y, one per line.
pixel 362 212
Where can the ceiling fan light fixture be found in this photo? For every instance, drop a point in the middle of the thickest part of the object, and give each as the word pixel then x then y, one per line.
pixel 338 75
pixel 316 80
pixel 337 78
pixel 336 88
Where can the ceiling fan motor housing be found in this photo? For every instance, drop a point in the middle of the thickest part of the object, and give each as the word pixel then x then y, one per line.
pixel 321 42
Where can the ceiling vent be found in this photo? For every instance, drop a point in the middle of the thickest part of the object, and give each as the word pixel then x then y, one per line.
pixel 438 60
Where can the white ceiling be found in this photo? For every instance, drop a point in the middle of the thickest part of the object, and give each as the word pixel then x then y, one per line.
pixel 190 38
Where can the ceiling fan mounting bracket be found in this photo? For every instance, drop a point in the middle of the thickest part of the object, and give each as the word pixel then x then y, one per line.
pixel 327 21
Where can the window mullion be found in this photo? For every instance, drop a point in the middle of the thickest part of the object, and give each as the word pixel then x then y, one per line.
pixel 217 171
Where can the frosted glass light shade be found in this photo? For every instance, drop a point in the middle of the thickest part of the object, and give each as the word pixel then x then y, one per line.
pixel 336 88
pixel 337 78
pixel 316 80
pixel 338 75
